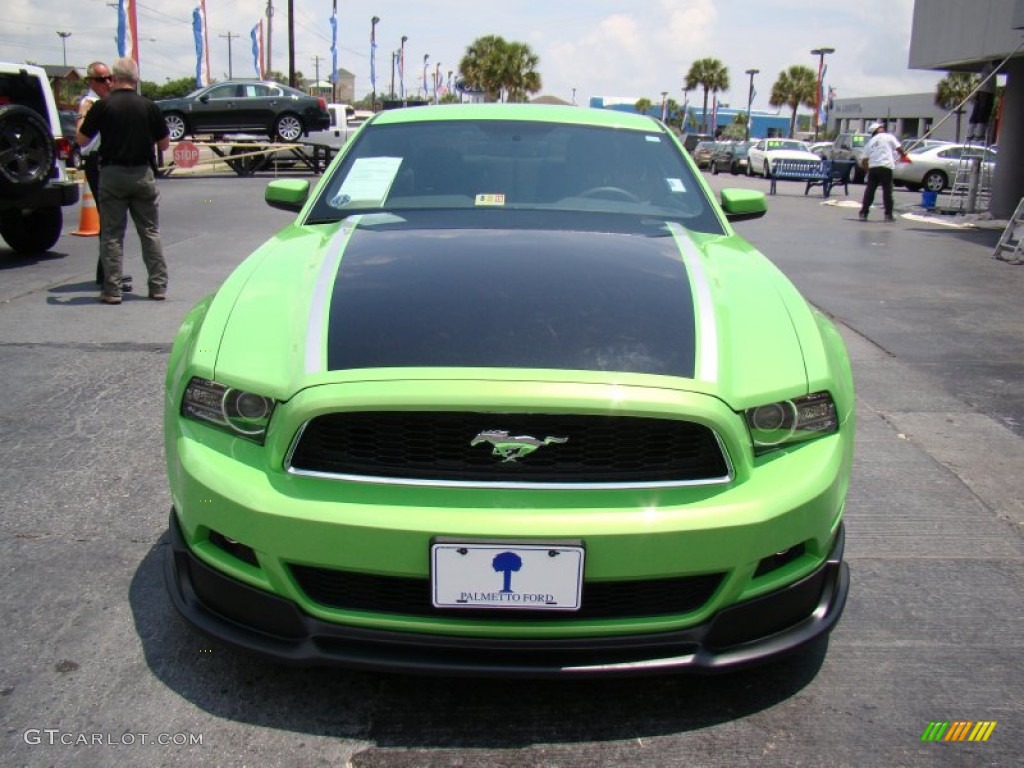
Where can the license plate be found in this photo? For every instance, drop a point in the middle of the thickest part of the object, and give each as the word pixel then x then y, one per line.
pixel 535 577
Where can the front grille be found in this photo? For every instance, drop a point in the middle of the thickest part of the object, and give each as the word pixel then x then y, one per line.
pixel 438 447
pixel 349 590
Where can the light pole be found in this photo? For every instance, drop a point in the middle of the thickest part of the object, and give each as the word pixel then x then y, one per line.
pixel 426 93
pixel 574 97
pixel 437 83
pixel 64 45
pixel 401 68
pixel 373 63
pixel 750 101
pixel 820 53
pixel 664 106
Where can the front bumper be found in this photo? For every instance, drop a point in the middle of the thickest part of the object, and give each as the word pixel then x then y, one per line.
pixel 744 634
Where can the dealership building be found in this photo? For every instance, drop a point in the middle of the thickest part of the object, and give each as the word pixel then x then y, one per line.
pixel 954 35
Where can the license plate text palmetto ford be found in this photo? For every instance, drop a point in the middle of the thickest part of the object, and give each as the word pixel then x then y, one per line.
pixel 521 576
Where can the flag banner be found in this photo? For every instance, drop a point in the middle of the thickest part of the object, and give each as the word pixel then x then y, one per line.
pixel 205 60
pixel 257 48
pixel 373 64
pixel 127 30
pixel 197 35
pixel 401 73
pixel 334 43
pixel 202 46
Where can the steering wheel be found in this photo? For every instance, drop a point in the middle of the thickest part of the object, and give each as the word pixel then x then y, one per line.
pixel 609 193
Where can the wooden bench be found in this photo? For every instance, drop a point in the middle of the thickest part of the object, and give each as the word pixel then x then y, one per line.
pixel 797 170
pixel 834 173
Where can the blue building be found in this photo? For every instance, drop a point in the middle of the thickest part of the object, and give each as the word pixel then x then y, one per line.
pixel 763 124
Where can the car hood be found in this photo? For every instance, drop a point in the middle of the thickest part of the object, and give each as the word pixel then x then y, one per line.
pixel 360 301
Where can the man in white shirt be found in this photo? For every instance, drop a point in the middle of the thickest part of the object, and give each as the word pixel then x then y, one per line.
pixel 881 154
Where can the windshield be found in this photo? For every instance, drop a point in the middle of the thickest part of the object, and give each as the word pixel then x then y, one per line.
pixel 514 165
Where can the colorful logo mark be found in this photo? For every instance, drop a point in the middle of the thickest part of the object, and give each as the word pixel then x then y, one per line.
pixel 958 730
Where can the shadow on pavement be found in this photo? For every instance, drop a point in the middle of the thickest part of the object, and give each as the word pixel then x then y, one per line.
pixel 410 712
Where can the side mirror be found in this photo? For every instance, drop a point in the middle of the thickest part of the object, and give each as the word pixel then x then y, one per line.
pixel 287 194
pixel 743 204
pixel 204 98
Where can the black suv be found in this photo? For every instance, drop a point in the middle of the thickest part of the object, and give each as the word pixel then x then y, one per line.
pixel 33 183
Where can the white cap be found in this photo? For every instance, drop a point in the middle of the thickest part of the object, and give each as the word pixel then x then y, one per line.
pixel 875 128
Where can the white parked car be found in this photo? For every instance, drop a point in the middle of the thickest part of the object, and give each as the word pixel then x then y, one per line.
pixel 766 152
pixel 934 168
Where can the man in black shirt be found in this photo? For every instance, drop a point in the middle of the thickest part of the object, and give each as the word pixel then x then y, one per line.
pixel 131 126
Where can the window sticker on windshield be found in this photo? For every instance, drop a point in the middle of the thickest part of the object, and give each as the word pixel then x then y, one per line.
pixel 490 199
pixel 368 182
pixel 676 185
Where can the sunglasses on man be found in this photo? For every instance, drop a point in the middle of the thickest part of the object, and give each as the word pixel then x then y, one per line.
pixel 104 79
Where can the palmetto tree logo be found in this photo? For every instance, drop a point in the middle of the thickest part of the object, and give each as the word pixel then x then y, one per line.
pixel 506 564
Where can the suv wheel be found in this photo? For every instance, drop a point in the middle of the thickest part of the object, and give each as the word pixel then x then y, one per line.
pixel 34 232
pixel 26 150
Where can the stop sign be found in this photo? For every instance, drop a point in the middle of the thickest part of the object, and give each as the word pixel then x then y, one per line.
pixel 186 154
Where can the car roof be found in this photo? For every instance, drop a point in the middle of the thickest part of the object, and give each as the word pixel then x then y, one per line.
pixel 600 118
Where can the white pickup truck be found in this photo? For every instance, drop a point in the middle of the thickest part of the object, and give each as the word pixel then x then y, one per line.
pixel 345 119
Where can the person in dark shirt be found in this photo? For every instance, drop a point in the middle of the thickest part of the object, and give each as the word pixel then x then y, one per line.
pixel 131 126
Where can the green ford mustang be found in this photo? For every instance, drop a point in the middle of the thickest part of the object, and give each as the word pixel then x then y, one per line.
pixel 509 397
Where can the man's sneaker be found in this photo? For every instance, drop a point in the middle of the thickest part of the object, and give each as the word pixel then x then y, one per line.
pixel 862 216
pixel 126 283
pixel 109 299
pixel 888 217
pixel 157 295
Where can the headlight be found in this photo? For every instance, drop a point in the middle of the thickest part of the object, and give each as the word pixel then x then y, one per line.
pixel 242 413
pixel 789 421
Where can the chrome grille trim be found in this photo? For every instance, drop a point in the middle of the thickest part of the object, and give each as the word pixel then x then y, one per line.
pixel 725 479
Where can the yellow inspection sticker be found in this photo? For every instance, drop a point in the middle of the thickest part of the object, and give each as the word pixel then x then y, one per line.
pixel 490 199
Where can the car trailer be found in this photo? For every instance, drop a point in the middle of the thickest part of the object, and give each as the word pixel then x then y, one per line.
pixel 245 156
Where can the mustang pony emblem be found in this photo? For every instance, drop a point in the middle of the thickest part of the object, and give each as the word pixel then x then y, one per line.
pixel 513 448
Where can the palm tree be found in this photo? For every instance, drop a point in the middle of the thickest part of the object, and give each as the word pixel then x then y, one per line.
pixel 952 91
pixel 499 67
pixel 643 106
pixel 711 75
pixel 794 86
pixel 520 72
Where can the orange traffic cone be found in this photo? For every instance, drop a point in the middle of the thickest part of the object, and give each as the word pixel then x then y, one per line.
pixel 89 219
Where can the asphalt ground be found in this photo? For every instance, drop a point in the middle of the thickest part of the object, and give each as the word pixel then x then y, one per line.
pixel 96 669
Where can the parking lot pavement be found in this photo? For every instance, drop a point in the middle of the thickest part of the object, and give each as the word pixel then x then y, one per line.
pixel 932 632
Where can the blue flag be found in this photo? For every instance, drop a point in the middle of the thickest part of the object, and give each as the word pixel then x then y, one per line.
pixel 197 33
pixel 334 44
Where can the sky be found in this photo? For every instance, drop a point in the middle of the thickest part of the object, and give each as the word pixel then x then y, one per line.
pixel 586 48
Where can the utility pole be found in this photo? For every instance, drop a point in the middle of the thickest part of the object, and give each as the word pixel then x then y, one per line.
pixel 316 63
pixel 270 35
pixel 291 43
pixel 230 35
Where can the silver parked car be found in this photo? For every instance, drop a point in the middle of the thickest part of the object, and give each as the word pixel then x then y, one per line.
pixel 934 168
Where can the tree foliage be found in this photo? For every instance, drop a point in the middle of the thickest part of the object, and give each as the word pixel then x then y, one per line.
pixel 171 89
pixel 953 90
pixel 794 86
pixel 712 76
pixel 643 105
pixel 503 70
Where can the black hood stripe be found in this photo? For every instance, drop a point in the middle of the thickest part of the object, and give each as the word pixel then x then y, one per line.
pixel 516 298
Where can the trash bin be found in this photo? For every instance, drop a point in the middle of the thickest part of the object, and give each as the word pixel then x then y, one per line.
pixel 928 199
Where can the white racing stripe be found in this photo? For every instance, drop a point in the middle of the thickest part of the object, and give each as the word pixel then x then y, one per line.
pixel 706 354
pixel 320 302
